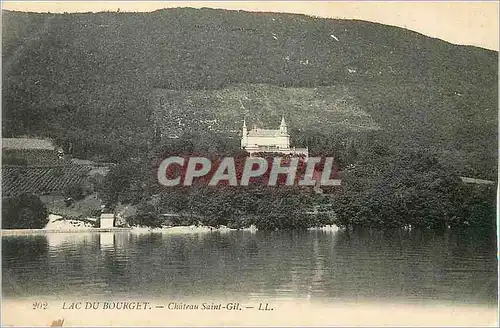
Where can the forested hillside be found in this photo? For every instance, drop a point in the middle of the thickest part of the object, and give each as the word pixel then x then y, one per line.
pixel 94 80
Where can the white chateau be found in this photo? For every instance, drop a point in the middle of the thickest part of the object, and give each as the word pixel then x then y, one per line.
pixel 269 141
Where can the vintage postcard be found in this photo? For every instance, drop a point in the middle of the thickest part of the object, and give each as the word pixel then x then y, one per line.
pixel 249 163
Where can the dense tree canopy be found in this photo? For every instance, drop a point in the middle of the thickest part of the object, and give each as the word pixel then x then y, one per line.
pixel 411 188
pixel 24 212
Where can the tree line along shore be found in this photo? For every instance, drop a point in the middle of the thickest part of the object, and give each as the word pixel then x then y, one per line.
pixel 382 188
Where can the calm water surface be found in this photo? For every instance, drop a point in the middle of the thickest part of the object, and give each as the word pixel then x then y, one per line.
pixel 396 266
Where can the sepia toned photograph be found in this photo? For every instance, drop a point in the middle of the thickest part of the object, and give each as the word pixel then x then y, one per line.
pixel 272 163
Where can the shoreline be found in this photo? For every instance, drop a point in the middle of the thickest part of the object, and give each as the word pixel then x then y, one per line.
pixel 19 232
pixel 58 224
pixel 167 230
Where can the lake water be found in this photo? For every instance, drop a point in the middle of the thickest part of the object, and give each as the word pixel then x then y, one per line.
pixel 397 266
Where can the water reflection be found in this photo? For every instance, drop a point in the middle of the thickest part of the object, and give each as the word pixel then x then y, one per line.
pixel 28 248
pixel 107 240
pixel 57 241
pixel 396 265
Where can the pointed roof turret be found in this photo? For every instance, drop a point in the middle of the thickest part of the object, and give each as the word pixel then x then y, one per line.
pixel 283 123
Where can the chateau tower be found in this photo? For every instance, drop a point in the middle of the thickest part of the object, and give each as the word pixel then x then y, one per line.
pixel 283 126
pixel 244 137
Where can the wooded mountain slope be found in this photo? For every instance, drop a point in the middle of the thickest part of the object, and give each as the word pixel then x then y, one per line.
pixel 92 77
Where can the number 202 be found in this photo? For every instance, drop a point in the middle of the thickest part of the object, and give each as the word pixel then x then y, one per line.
pixel 39 305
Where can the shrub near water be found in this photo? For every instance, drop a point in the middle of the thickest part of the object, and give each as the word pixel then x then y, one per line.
pixel 146 216
pixel 268 208
pixel 411 187
pixel 24 212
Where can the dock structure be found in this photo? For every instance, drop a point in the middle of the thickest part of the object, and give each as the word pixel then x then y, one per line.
pixel 107 220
